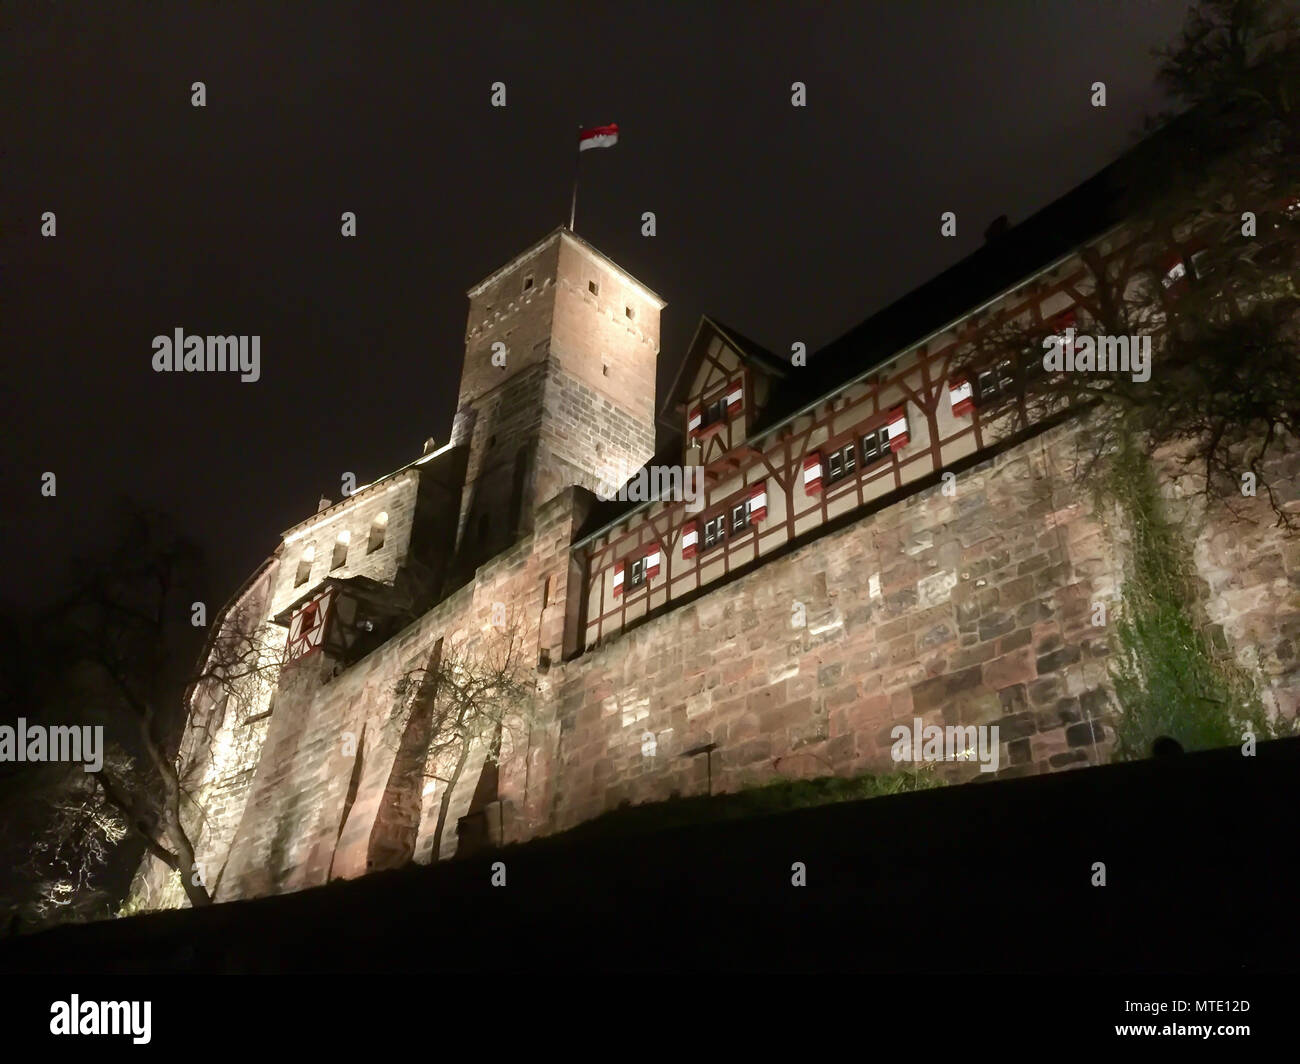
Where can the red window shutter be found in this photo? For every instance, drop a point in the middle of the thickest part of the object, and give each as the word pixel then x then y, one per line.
pixel 693 422
pixel 758 502
pixel 618 579
pixel 1175 269
pixel 812 474
pixel 898 437
pixel 735 398
pixel 961 396
pixel 690 539
pixel 652 559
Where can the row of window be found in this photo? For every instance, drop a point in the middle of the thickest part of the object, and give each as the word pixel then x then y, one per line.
pixel 716 528
pixel 701 533
pixel 339 558
pixel 870 449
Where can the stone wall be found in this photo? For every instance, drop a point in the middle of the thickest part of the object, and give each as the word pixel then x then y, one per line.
pixel 972 605
pixel 1250 566
pixel 981 615
pixel 328 760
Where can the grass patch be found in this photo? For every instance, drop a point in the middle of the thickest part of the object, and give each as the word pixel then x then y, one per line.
pixel 778 796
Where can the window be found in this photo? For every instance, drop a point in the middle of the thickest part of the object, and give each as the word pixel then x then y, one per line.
pixel 636 573
pixel 1031 362
pixel 528 282
pixel 715 530
pixel 739 517
pixel 593 288
pixel 715 412
pixel 875 446
pixel 304 566
pixel 998 382
pixel 629 312
pixel 340 550
pixel 378 529
pixel 840 462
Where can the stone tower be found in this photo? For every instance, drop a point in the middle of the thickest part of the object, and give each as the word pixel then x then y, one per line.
pixel 557 388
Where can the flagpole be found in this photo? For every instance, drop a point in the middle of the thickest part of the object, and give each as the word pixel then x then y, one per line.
pixel 573 205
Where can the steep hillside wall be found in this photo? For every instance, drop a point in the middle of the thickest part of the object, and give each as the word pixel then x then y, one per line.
pixel 966 604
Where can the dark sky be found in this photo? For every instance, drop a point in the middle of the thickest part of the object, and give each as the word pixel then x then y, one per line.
pixel 789 224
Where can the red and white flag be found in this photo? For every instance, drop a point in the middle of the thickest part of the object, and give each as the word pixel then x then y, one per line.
pixel 598 137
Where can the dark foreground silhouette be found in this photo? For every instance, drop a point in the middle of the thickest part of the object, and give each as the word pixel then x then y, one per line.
pixel 1199 856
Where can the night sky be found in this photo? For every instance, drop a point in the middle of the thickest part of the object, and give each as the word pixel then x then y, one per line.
pixel 789 224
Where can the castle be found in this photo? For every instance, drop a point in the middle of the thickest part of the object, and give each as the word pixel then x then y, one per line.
pixel 872 542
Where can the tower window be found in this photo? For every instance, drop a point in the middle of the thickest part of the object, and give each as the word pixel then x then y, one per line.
pixel 593 288
pixel 304 566
pixel 604 369
pixel 340 550
pixel 528 282
pixel 636 573
pixel 629 312
pixel 715 530
pixel 378 529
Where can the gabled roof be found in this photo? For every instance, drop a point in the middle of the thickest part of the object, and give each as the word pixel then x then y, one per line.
pixel 751 353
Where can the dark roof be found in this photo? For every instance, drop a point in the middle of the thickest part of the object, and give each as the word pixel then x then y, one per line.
pixel 1013 255
pixel 1053 232
pixel 750 350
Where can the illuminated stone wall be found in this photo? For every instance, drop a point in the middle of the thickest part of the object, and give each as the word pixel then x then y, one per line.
pixel 968 608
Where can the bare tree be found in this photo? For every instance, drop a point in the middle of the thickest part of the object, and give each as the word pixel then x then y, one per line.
pixel 1205 264
pixel 122 639
pixel 67 860
pixel 478 692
